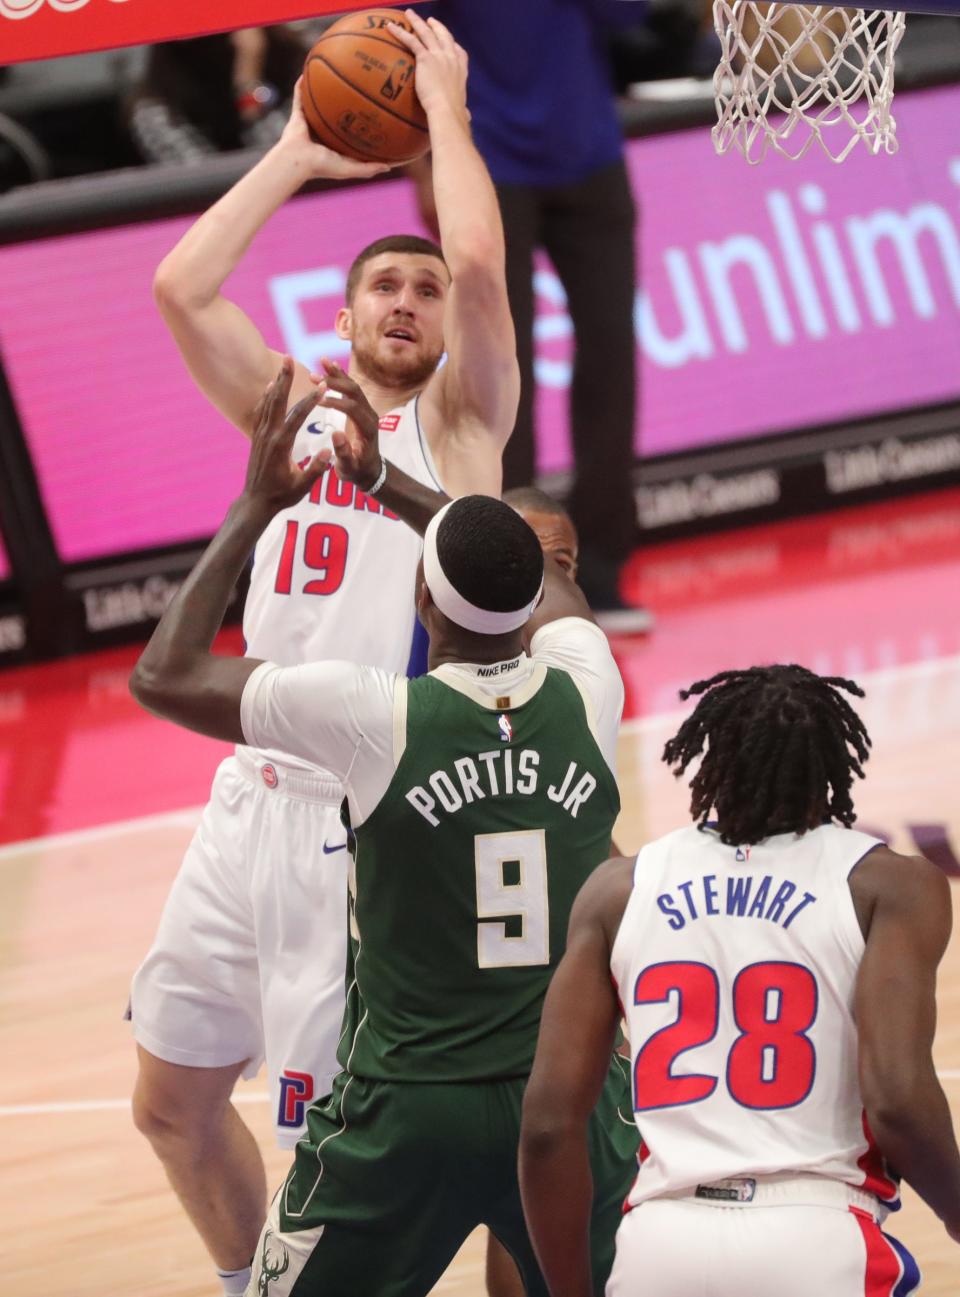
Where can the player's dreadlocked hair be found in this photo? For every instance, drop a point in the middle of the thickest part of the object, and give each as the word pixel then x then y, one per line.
pixel 782 748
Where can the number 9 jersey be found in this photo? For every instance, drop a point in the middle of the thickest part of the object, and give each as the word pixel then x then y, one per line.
pixel 736 969
pixel 334 577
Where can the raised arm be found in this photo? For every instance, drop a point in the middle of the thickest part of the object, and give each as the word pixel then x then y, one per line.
pixel 177 676
pixel 561 598
pixel 469 407
pixel 896 1015
pixel 224 350
pixel 577 1033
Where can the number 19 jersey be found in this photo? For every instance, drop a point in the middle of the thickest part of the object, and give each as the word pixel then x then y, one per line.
pixel 736 968
pixel 334 576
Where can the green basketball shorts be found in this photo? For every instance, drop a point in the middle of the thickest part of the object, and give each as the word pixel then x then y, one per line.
pixel 391 1177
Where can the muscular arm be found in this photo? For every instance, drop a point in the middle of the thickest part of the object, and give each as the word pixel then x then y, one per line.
pixel 414 503
pixel 177 676
pixel 224 350
pixel 896 1019
pixel 561 598
pixel 577 1032
pixel 468 408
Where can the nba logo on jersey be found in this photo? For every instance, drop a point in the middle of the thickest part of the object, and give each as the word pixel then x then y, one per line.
pixel 743 855
pixel 296 1091
pixel 506 729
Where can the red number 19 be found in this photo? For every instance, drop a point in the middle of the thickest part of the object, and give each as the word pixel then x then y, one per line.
pixel 324 550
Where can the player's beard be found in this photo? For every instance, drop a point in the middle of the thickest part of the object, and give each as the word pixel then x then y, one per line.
pixel 403 372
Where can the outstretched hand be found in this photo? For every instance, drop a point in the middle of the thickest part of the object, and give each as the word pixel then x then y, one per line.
pixel 357 446
pixel 323 163
pixel 274 481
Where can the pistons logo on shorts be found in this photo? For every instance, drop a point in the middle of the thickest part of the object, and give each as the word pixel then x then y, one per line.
pixel 296 1091
pixel 270 776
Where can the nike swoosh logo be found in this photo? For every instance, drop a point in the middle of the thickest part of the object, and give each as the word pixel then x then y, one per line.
pixel 318 428
pixel 328 851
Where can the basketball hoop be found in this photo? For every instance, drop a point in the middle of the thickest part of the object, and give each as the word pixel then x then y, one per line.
pixel 791 74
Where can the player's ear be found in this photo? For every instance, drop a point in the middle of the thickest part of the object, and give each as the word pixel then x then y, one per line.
pixel 424 602
pixel 343 324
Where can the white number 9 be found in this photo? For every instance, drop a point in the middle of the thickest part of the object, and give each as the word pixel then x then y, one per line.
pixel 527 899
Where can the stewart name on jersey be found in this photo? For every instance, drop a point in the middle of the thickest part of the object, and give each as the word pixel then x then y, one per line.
pixel 463 880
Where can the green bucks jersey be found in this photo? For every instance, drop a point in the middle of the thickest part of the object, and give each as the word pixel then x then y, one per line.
pixel 464 876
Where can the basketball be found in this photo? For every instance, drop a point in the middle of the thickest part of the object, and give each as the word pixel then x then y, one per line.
pixel 358 91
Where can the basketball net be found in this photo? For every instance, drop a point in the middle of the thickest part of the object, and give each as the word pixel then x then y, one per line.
pixel 791 74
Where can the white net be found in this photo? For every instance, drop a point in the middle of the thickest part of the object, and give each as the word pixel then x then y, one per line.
pixel 791 74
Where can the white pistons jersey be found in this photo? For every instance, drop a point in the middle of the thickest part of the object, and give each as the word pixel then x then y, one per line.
pixel 334 577
pixel 736 969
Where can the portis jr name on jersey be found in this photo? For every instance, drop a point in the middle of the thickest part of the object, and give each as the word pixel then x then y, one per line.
pixel 502 772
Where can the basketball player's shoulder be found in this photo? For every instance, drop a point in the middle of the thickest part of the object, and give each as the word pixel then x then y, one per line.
pixel 886 865
pixel 680 848
pixel 366 693
pixel 570 629
pixel 910 884
pixel 603 897
pixel 577 646
pixel 703 836
pixel 379 680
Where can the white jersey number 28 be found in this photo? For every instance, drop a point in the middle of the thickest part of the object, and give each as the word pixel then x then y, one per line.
pixel 512 884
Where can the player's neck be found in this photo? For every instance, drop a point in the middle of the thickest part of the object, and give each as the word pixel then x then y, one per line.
pixel 479 650
pixel 383 398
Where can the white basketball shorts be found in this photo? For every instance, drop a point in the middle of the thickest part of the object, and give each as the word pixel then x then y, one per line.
pixel 250 955
pixel 787 1241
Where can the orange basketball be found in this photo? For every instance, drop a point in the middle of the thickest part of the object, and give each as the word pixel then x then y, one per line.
pixel 357 93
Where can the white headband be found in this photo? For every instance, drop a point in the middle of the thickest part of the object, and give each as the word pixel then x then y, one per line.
pixel 453 605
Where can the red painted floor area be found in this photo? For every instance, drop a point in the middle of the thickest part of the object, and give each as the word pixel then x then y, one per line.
pixel 842 593
pixel 849 592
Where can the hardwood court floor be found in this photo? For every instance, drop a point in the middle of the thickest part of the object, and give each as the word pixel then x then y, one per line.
pixel 92 795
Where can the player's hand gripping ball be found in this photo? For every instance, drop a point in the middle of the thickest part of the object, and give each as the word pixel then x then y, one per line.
pixel 358 92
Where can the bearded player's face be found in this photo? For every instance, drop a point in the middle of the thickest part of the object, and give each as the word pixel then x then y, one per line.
pixel 396 318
